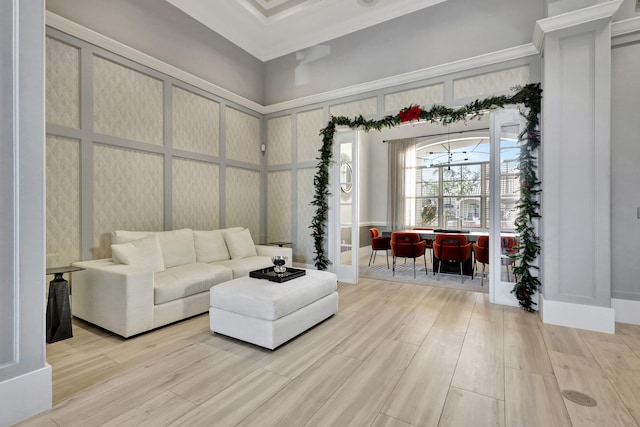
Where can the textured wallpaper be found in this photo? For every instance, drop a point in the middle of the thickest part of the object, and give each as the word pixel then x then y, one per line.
pixel 196 123
pixel 196 195
pixel 279 206
pixel 62 84
pixel 308 134
pixel 63 201
pixel 243 200
pixel 366 107
pixel 304 243
pixel 490 83
pixel 127 194
pixel 127 103
pixel 279 140
pixel 243 137
pixel 422 96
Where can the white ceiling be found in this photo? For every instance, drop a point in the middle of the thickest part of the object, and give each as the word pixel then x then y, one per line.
pixel 268 29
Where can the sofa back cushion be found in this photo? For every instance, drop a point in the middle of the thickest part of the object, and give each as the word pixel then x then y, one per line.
pixel 177 247
pixel 143 252
pixel 240 244
pixel 123 236
pixel 210 246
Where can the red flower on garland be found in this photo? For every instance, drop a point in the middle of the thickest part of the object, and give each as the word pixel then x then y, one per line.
pixel 409 114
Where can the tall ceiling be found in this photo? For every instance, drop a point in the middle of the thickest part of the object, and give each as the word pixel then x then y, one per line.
pixel 268 29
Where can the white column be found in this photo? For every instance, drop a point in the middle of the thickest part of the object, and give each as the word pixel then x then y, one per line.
pixel 25 377
pixel 576 257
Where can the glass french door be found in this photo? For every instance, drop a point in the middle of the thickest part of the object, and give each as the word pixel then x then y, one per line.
pixel 343 230
pixel 506 125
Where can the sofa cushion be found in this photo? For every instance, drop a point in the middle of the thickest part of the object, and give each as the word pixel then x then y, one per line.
pixel 177 247
pixel 184 280
pixel 143 252
pixel 242 266
pixel 210 246
pixel 123 236
pixel 240 244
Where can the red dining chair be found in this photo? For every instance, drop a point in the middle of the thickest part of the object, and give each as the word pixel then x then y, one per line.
pixel 480 255
pixel 407 245
pixel 451 248
pixel 508 246
pixel 378 243
pixel 428 241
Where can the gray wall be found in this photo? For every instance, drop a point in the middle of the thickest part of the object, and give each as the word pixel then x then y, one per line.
pixel 449 31
pixel 625 171
pixel 159 29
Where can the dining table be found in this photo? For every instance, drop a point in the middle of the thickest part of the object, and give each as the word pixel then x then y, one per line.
pixel 448 267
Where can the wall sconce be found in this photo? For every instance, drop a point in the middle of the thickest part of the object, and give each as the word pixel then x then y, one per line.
pixel 263 148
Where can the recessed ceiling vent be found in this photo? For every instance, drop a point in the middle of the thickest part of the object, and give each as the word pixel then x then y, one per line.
pixel 367 3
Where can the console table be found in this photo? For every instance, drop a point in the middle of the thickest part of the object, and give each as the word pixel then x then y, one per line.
pixel 58 306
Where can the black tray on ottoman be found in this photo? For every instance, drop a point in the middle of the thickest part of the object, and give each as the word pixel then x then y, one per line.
pixel 269 274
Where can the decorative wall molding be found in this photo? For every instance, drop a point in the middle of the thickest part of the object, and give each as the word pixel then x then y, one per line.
pixel 83 33
pixel 571 19
pixel 628 26
pixel 625 32
pixel 497 57
pixel 70 27
pixel 542 26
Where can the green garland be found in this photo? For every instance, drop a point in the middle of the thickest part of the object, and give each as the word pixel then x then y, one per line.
pixel 528 242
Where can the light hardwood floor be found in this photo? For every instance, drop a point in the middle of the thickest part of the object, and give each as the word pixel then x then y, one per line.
pixel 394 355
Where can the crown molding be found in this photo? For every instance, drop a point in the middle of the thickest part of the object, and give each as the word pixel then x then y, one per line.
pixel 410 77
pixel 625 27
pixel 571 19
pixel 83 33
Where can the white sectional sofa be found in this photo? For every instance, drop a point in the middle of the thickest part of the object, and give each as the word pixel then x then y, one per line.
pixel 156 278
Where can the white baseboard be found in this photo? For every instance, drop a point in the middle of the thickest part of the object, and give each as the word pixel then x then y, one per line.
pixel 627 311
pixel 24 396
pixel 589 317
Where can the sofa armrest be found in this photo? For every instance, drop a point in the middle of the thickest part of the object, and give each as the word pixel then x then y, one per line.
pixel 269 250
pixel 116 297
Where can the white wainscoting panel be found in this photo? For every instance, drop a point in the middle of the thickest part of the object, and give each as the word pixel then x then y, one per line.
pixel 127 103
pixel 427 95
pixel 242 137
pixel 128 194
pixel 366 107
pixel 195 195
pixel 308 137
pixel 304 242
pixel 490 83
pixel 63 83
pixel 63 201
pixel 243 200
pixel 196 123
pixel 279 206
pixel 279 140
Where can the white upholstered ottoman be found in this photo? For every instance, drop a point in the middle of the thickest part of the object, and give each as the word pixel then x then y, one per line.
pixel 268 313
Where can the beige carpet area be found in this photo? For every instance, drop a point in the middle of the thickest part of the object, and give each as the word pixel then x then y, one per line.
pixel 404 274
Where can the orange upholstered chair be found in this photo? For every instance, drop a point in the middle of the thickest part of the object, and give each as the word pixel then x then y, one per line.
pixel 451 248
pixel 481 255
pixel 379 243
pixel 407 245
pixel 508 246
pixel 428 241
